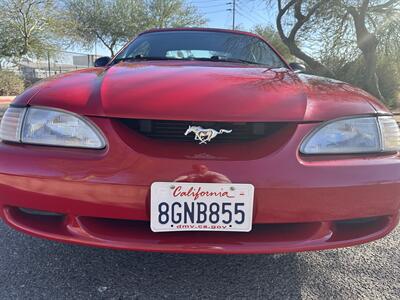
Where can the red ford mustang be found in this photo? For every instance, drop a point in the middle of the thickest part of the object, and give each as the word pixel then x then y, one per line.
pixel 199 141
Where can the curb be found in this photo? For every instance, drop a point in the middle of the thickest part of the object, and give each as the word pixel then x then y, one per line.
pixel 6 99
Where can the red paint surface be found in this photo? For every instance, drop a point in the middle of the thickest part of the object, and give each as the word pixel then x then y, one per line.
pixel 201 91
pixel 90 187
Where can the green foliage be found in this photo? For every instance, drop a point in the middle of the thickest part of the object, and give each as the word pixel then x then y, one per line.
pixel 36 27
pixel 172 13
pixel 115 22
pixel 389 82
pixel 354 72
pixel 10 83
pixel 26 28
pixel 340 31
pixel 270 34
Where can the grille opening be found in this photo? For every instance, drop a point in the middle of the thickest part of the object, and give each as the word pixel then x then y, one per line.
pixel 175 130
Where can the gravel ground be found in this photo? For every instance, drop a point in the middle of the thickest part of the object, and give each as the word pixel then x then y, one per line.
pixel 38 269
pixel 31 268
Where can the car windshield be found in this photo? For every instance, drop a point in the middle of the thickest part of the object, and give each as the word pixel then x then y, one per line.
pixel 201 45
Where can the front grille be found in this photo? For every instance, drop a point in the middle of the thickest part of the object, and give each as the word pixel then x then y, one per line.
pixel 175 130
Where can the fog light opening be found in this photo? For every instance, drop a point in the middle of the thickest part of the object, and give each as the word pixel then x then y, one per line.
pixel 359 221
pixel 40 212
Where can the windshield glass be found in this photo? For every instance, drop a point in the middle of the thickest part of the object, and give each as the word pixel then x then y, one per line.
pixel 202 45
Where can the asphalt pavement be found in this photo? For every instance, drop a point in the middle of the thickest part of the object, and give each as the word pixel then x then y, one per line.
pixel 32 268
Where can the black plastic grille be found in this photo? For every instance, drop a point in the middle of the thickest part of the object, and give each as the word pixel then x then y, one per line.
pixel 175 130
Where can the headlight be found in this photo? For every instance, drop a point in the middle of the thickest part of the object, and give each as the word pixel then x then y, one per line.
pixel 45 126
pixel 354 135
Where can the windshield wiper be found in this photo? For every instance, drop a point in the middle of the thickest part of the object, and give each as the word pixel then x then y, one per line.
pixel 141 57
pixel 223 59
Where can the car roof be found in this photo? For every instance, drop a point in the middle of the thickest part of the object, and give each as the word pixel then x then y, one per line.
pixel 201 29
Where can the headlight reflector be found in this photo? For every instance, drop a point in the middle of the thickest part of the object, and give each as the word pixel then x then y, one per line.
pixel 353 136
pixel 51 127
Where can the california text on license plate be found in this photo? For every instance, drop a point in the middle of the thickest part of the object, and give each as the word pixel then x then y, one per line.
pixel 201 207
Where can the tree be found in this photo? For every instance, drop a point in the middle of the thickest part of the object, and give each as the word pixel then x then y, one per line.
pixel 296 15
pixel 110 22
pixel 364 25
pixel 172 13
pixel 27 28
pixel 115 22
pixel 374 25
pixel 271 35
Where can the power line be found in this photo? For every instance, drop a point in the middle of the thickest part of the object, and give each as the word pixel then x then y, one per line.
pixel 246 10
pixel 216 11
pixel 213 5
pixel 203 2
pixel 245 16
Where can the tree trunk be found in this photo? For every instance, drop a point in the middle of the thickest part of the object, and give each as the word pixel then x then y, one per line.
pixel 368 44
pixel 369 49
pixel 315 66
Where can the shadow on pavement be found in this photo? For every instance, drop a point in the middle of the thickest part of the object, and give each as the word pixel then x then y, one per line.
pixel 63 271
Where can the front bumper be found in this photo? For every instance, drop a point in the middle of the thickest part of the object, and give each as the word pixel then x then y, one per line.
pixel 264 238
pixel 103 196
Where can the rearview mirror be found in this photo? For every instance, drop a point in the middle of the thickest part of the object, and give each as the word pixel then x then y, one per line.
pixel 102 61
pixel 297 67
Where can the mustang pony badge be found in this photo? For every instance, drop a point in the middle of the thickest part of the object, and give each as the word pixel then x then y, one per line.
pixel 205 135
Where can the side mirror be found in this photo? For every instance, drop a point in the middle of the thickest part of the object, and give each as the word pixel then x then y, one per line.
pixel 102 61
pixel 297 67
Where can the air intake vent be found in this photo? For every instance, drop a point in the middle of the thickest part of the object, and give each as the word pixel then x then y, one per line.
pixel 175 130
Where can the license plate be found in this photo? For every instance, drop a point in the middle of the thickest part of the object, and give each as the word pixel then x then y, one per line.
pixel 201 207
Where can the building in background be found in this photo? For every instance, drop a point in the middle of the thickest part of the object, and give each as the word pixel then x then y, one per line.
pixel 33 70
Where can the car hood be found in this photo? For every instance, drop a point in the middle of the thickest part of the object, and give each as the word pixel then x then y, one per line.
pixel 198 91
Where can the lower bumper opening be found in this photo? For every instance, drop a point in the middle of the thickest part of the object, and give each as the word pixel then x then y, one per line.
pixel 137 235
pixel 39 220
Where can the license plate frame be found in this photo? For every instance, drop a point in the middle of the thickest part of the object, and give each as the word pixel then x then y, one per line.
pixel 176 206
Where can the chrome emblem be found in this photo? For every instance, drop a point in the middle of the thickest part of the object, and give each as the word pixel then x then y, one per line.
pixel 205 135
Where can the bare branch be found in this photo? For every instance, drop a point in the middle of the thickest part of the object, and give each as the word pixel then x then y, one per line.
pixel 305 18
pixel 384 5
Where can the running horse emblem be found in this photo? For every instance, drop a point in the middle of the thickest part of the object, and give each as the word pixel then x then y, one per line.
pixel 205 135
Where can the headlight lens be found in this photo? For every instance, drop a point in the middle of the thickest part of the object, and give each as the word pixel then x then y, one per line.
pixel 354 135
pixel 45 126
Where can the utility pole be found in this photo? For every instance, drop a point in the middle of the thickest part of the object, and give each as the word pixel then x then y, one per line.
pixel 233 14
pixel 233 10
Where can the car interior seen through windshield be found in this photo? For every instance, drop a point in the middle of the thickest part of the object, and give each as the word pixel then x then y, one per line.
pixel 197 45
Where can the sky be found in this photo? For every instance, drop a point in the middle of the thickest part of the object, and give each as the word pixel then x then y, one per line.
pixel 249 13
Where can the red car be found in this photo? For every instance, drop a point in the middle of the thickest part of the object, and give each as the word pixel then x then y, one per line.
pixel 199 141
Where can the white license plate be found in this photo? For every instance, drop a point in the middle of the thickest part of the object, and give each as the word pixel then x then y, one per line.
pixel 201 207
